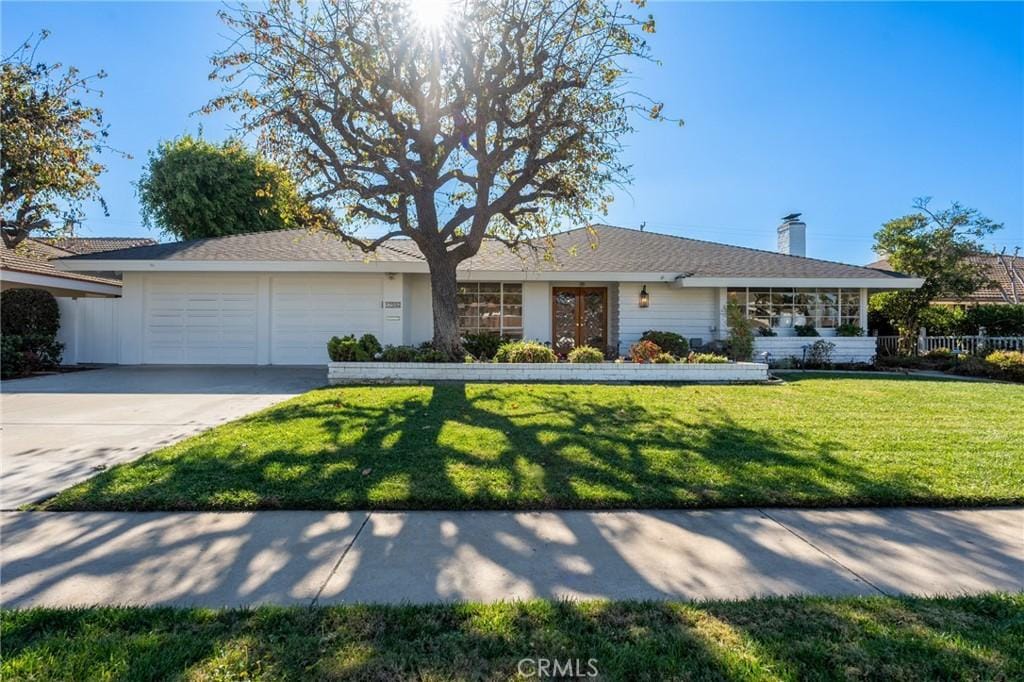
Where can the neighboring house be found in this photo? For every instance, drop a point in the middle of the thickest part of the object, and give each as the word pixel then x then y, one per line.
pixel 1006 280
pixel 277 297
pixel 28 266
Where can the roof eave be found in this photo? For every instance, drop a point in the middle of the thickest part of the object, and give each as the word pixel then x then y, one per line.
pixel 866 282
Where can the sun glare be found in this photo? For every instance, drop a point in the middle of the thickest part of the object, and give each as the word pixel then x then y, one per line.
pixel 430 15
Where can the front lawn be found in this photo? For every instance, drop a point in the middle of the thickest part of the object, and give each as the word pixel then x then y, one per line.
pixel 968 638
pixel 815 441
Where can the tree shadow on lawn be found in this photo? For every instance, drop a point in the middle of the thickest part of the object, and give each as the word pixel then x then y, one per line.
pixel 443 447
pixel 776 638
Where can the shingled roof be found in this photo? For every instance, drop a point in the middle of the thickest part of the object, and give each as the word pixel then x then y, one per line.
pixel 33 256
pixel 601 248
pixel 1005 273
pixel 85 245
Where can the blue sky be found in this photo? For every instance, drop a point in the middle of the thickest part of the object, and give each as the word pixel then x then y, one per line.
pixel 845 112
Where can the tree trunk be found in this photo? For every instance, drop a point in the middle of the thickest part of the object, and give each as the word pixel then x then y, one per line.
pixel 445 306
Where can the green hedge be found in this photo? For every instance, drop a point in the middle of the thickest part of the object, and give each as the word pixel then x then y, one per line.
pixel 29 320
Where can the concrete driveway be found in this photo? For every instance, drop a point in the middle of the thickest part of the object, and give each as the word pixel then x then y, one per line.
pixel 58 429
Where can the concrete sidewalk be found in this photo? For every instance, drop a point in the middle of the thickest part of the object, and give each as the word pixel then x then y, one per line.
pixel 296 557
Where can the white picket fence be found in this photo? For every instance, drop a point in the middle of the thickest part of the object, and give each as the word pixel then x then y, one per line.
pixel 888 345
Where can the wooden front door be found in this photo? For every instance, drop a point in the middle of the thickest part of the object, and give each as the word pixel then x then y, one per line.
pixel 579 317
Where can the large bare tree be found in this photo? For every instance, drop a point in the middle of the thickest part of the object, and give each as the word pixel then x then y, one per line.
pixel 444 121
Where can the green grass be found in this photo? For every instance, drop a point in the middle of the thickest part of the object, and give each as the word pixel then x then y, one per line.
pixel 967 638
pixel 816 441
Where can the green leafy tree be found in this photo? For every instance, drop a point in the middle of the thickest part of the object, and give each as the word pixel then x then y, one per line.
pixel 49 140
pixel 194 189
pixel 447 122
pixel 933 245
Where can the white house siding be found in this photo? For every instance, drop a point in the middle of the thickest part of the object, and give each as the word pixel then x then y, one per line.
pixel 693 313
pixel 419 311
pixel 89 330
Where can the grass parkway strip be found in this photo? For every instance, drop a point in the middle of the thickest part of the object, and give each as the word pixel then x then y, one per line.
pixel 968 638
pixel 815 441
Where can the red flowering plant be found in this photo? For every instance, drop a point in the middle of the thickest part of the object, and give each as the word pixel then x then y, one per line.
pixel 644 351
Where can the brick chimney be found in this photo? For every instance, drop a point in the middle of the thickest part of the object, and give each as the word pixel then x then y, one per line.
pixel 793 236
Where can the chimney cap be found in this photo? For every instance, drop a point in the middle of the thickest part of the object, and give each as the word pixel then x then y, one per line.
pixel 792 217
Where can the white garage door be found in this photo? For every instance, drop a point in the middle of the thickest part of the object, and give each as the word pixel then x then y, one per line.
pixel 201 319
pixel 307 310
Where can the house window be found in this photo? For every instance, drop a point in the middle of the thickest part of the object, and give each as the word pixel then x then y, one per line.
pixel 491 308
pixel 786 307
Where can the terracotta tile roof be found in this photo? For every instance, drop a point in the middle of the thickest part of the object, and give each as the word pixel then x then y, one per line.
pixel 83 245
pixel 602 248
pixel 1005 272
pixel 33 256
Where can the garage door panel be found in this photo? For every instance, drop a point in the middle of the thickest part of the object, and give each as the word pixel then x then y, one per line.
pixel 306 311
pixel 201 320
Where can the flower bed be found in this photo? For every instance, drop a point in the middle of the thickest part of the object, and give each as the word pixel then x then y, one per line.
pixel 411 372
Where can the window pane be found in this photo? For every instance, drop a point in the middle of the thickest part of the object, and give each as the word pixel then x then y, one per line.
pixel 760 298
pixel 464 288
pixel 513 288
pixel 512 299
pixel 490 287
pixel 512 321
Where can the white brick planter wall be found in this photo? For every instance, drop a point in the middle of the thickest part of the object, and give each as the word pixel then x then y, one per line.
pixel 848 348
pixel 400 372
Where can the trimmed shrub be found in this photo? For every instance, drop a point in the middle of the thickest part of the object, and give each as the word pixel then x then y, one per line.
pixel 483 346
pixel 998 320
pixel 13 362
pixel 664 359
pixel 707 358
pixel 30 353
pixel 644 351
pixel 670 342
pixel 1007 364
pixel 585 355
pixel 849 329
pixel 29 312
pixel 766 331
pixel 524 351
pixel 346 349
pixel 370 344
pixel 428 353
pixel 398 354
pixel 805 330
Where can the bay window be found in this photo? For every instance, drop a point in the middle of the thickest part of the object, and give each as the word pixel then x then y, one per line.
pixel 787 307
pixel 490 308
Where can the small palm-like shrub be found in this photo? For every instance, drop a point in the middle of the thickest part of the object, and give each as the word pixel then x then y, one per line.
pixel 664 359
pixel 644 351
pixel 482 346
pixel 706 358
pixel 524 351
pixel 585 354
pixel 670 342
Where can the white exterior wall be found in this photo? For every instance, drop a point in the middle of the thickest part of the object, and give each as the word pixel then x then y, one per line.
pixel 419 309
pixel 89 330
pixel 847 348
pixel 537 311
pixel 689 312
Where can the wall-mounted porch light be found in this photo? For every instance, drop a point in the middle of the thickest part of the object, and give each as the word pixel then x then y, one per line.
pixel 645 298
